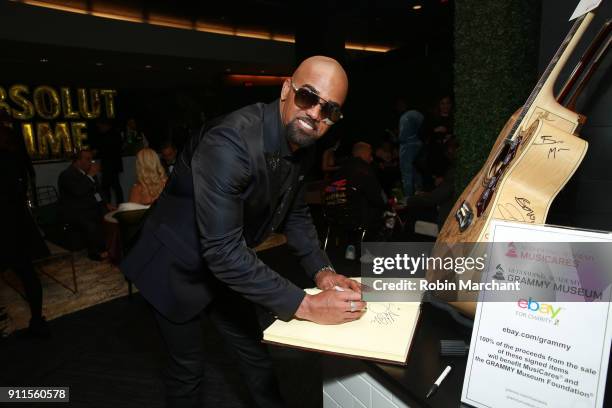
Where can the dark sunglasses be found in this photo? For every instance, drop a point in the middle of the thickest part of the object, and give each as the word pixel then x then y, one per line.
pixel 306 98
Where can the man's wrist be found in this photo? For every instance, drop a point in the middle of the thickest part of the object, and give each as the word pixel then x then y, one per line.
pixel 303 310
pixel 328 268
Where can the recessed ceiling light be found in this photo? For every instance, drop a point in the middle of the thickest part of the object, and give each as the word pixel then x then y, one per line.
pixel 148 66
pixel 417 7
pixel 43 59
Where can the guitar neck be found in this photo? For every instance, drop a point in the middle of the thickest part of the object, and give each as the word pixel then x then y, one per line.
pixel 544 87
pixel 594 53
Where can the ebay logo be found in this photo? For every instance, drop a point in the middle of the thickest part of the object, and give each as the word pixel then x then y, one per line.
pixel 538 307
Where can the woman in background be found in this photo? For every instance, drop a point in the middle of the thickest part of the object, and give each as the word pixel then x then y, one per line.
pixel 150 178
pixel 150 182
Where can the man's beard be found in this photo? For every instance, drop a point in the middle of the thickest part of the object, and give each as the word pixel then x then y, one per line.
pixel 299 136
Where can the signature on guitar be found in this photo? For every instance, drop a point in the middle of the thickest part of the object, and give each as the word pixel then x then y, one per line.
pixel 522 213
pixel 546 140
pixel 554 151
pixel 550 140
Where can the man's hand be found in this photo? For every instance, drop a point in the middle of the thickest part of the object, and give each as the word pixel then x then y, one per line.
pixel 331 307
pixel 328 279
pixel 111 207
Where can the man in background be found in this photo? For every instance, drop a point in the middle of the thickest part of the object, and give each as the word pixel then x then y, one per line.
pixel 168 153
pixel 366 201
pixel 81 203
pixel 410 144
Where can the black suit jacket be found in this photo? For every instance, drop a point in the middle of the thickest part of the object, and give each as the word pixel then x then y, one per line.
pixel 223 198
pixel 77 195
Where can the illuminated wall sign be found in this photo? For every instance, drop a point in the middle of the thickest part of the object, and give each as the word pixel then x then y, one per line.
pixel 53 121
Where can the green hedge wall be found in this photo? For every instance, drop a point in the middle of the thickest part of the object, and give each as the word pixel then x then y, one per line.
pixel 496 50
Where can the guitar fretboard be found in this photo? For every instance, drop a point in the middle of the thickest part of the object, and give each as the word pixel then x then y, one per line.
pixel 545 76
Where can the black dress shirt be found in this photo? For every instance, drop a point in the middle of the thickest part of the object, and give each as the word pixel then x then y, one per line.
pixel 239 203
pixel 231 187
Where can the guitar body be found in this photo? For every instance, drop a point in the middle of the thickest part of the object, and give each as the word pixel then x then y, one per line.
pixel 546 159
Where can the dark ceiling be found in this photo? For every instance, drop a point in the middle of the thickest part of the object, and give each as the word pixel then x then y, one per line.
pixel 388 22
pixel 392 23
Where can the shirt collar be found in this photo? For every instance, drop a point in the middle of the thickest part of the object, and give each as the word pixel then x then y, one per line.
pixel 80 171
pixel 275 133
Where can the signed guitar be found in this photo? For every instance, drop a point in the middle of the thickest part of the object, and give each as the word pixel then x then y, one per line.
pixel 534 156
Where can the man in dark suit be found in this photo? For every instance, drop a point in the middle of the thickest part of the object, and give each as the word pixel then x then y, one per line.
pixel 234 185
pixel 168 155
pixel 81 203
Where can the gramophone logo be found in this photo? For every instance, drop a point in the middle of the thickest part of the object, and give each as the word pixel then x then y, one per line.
pixel 499 273
pixel 511 250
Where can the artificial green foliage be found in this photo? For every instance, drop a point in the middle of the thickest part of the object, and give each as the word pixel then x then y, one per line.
pixel 496 49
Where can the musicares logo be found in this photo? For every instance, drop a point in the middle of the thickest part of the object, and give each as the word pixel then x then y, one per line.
pixel 540 311
pixel 545 254
pixel 511 250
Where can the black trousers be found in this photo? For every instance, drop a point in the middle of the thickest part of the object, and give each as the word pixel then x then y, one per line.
pixel 236 320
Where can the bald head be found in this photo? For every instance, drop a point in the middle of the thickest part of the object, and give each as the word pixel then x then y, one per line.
pixel 322 76
pixel 363 151
pixel 328 75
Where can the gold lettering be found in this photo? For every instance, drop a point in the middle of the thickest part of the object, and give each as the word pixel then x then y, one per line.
pixel 69 113
pixel 89 107
pixel 46 102
pixel 109 101
pixel 28 137
pixel 79 135
pixel 16 93
pixel 50 142
pixel 3 104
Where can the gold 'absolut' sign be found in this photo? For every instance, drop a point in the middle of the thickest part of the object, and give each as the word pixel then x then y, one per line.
pixel 53 121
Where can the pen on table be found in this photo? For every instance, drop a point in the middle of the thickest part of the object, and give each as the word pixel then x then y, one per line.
pixel 436 384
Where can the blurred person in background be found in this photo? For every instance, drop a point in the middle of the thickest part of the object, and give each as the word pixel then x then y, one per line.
pixel 81 203
pixel 437 130
pixel 150 178
pixel 107 145
pixel 20 239
pixel 329 162
pixel 132 138
pixel 168 154
pixel 365 199
pixel 410 145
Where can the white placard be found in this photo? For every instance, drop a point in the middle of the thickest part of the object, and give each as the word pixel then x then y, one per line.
pixel 584 7
pixel 538 353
